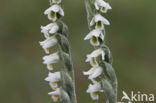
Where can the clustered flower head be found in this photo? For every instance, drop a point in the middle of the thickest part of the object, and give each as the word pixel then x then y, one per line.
pixel 96 37
pixel 54 13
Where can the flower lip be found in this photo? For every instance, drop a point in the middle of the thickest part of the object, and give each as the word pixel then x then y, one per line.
pixel 94 89
pixel 55 94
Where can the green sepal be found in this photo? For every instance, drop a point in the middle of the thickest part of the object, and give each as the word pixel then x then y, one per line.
pixel 109 72
pixel 110 76
pixel 108 54
pixel 65 58
pixel 63 42
pixel 90 11
pixel 66 81
pixel 63 29
pixel 64 97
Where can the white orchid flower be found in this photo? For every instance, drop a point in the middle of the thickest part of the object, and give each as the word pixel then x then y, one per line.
pixel 50 60
pixel 99 21
pixel 102 5
pixel 49 29
pixel 94 90
pixel 94 72
pixel 49 42
pixel 53 78
pixel 55 94
pixel 92 57
pixel 56 1
pixel 93 36
pixel 53 11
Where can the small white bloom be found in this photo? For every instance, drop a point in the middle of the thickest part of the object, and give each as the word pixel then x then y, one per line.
pixel 49 42
pixel 99 21
pixel 94 72
pixel 49 29
pixel 56 1
pixel 53 11
pixel 102 5
pixel 55 94
pixel 53 78
pixel 92 57
pixel 93 36
pixel 50 60
pixel 94 90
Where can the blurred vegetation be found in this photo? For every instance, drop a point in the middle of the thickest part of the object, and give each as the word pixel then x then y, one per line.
pixel 131 38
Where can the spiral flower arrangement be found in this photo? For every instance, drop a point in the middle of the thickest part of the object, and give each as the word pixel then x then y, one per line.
pixel 101 74
pixel 56 33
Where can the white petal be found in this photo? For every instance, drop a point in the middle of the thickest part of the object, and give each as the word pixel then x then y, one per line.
pixel 54 29
pixel 91 71
pixel 61 12
pixel 53 77
pixel 96 6
pixel 92 22
pixel 101 3
pixel 97 52
pixel 94 32
pixel 98 17
pixel 97 72
pixel 51 59
pixel 54 8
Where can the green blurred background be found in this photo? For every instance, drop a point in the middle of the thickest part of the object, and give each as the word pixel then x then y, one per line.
pixel 131 38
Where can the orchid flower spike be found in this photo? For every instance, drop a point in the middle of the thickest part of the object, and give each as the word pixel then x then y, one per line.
pixel 94 90
pixel 92 57
pixel 94 36
pixel 94 72
pixel 49 42
pixel 49 29
pixel 53 12
pixel 55 95
pixel 102 5
pixel 56 1
pixel 50 60
pixel 99 22
pixel 53 78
